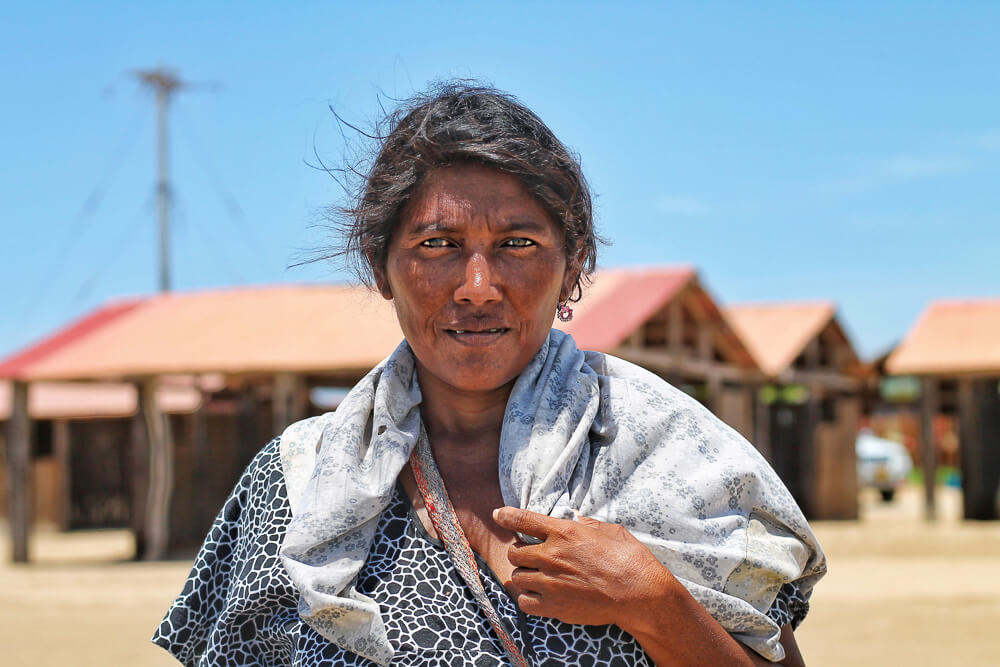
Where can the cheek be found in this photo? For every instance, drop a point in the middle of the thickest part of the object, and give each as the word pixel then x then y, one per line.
pixel 542 283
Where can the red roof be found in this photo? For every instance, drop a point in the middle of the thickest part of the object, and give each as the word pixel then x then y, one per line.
pixel 259 329
pixel 777 333
pixel 12 367
pixel 951 338
pixel 620 301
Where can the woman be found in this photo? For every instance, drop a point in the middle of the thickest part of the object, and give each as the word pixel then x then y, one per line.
pixel 490 494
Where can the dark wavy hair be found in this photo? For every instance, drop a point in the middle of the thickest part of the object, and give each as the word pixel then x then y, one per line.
pixel 453 123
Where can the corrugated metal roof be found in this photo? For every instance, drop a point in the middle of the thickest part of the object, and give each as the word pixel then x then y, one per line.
pixel 951 338
pixel 777 333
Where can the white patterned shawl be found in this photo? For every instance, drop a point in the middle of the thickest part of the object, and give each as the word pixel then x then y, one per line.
pixel 582 431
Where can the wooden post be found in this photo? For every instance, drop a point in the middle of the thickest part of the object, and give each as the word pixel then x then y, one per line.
pixel 19 472
pixel 844 499
pixel 201 470
pixel 248 429
pixel 286 403
pixel 928 458
pixel 161 474
pixel 762 422
pixel 812 354
pixel 713 383
pixel 807 454
pixel 979 481
pixel 138 474
pixel 675 325
pixel 706 336
pixel 64 461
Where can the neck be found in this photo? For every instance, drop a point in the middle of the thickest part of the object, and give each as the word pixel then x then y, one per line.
pixel 454 416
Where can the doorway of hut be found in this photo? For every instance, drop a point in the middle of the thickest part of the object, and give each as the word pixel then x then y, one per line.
pixel 789 429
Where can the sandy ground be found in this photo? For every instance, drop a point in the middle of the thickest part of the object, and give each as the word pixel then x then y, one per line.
pixel 900 591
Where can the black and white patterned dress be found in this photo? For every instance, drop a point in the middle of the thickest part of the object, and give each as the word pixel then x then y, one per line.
pixel 238 606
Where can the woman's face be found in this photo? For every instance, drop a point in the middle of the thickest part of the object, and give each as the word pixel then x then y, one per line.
pixel 475 267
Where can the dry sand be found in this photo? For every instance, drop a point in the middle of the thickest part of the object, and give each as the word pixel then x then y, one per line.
pixel 900 592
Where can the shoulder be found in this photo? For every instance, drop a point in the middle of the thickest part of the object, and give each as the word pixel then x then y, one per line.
pixel 657 435
pixel 628 390
pixel 236 591
pixel 296 451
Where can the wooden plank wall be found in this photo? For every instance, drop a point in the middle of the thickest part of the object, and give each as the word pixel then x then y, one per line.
pixel 836 475
pixel 979 443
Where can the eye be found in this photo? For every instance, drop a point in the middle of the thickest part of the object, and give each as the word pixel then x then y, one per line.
pixel 519 243
pixel 437 242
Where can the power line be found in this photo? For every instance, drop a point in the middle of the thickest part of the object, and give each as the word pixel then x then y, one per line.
pixel 245 230
pixel 85 215
pixel 218 248
pixel 114 250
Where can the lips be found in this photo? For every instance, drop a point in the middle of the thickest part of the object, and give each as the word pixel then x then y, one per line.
pixel 477 336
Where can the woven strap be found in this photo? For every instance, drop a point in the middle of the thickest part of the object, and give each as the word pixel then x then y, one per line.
pixel 445 521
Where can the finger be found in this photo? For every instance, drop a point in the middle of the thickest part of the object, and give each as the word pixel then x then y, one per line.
pixel 526 555
pixel 531 603
pixel 527 580
pixel 527 522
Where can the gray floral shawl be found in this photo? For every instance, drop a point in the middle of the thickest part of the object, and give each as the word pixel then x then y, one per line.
pixel 583 432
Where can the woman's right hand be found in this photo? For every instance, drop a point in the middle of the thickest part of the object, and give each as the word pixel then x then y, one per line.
pixel 586 571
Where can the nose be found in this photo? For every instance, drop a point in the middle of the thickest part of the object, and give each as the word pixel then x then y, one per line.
pixel 478 285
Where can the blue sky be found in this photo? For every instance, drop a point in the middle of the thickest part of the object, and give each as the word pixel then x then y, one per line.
pixel 845 151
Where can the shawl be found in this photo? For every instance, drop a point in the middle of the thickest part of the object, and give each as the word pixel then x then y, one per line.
pixel 584 433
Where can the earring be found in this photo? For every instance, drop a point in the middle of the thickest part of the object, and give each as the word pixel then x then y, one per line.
pixel 564 312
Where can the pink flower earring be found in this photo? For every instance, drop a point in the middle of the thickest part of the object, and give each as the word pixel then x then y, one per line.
pixel 564 312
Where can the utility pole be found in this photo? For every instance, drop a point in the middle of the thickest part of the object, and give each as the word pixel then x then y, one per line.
pixel 154 446
pixel 165 82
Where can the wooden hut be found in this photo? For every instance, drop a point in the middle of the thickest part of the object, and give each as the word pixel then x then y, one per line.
pixel 954 348
pixel 251 354
pixel 86 485
pixel 808 412
pixel 664 320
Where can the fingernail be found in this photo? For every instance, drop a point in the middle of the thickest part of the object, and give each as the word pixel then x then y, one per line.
pixel 496 514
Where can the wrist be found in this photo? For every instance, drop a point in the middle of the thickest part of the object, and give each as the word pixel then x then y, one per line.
pixel 674 629
pixel 644 615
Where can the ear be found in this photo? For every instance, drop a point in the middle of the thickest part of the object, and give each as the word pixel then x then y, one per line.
pixel 569 282
pixel 573 268
pixel 381 280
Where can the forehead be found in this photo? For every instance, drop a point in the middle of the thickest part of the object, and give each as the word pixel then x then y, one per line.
pixel 472 191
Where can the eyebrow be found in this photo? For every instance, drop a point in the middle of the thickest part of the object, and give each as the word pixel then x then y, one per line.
pixel 519 224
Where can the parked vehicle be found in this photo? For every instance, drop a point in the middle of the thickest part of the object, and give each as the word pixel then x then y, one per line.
pixel 882 464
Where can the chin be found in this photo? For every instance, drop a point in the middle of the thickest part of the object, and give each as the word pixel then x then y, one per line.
pixel 480 382
pixel 475 370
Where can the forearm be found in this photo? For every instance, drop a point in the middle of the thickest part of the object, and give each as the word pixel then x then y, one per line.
pixel 594 573
pixel 675 630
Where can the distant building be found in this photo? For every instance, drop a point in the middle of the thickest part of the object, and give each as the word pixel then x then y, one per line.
pixel 86 486
pixel 809 407
pixel 664 320
pixel 249 361
pixel 250 357
pixel 954 348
